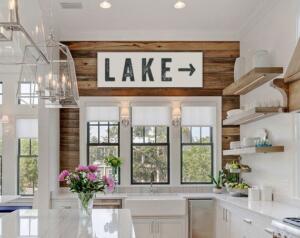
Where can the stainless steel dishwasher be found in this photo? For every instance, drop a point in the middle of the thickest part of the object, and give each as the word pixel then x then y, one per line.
pixel 201 218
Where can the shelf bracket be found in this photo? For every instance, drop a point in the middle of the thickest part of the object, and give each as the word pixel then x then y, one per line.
pixel 283 88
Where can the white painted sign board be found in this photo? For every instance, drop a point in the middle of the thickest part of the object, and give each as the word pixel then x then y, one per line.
pixel 150 69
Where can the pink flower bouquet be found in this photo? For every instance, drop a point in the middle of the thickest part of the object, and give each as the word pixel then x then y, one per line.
pixel 85 181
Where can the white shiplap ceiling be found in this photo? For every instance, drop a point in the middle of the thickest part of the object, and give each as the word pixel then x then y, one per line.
pixel 155 19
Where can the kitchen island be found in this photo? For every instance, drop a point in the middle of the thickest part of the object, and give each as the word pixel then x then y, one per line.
pixel 104 223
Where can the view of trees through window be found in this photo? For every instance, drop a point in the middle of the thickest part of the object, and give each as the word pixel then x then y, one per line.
pixel 27 166
pixel 150 154
pixel 197 154
pixel 103 140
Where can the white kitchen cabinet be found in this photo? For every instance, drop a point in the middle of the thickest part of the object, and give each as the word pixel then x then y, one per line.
pixel 234 222
pixel 143 227
pixel 223 220
pixel 168 227
pixel 236 225
pixel 159 227
pixel 64 204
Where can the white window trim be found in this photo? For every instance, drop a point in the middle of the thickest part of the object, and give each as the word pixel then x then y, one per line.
pixel 296 187
pixel 174 133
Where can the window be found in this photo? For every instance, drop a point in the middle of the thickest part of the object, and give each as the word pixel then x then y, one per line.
pixel 1 93
pixel 197 148
pixel 27 134
pixel 27 166
pixel 103 140
pixel 27 94
pixel 150 154
pixel 197 154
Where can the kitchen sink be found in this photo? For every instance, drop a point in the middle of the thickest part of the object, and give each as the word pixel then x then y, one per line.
pixel 156 205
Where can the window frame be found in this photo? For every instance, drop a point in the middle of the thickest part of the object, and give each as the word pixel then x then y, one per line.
pixel 18 164
pixel 211 144
pixel 103 143
pixel 31 96
pixel 149 144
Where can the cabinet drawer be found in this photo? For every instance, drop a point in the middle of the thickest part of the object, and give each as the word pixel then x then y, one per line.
pixel 58 204
pixel 108 203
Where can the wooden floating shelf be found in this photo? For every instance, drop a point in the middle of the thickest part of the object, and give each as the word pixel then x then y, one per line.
pixel 252 80
pixel 254 150
pixel 293 70
pixel 252 115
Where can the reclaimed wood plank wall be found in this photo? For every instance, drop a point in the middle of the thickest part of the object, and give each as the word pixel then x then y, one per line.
pixel 219 58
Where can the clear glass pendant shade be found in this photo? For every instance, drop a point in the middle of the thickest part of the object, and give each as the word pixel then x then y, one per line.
pixel 55 82
pixel 21 25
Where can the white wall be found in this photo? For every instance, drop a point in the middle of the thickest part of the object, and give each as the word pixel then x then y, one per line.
pixel 276 31
pixel 11 108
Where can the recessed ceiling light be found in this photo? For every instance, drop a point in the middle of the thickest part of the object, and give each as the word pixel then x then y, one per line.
pixel 105 4
pixel 179 5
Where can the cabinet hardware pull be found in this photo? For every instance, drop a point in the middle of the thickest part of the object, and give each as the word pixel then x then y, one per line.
pixel 223 213
pixel 248 221
pixel 151 227
pixel 269 231
pixel 157 227
pixel 226 215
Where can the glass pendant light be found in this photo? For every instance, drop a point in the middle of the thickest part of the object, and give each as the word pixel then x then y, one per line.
pixel 56 82
pixel 53 80
pixel 16 31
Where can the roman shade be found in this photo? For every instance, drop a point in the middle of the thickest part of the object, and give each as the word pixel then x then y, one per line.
pixel 102 113
pixel 151 116
pixel 27 128
pixel 198 116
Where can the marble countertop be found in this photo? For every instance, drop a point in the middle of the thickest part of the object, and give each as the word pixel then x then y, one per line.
pixel 67 223
pixel 8 198
pixel 273 210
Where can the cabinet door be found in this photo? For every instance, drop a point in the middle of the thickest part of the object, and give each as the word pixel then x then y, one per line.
pixel 236 226
pixel 170 228
pixel 222 222
pixel 144 228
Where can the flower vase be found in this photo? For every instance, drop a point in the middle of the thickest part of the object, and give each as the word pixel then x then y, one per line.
pixel 115 177
pixel 115 173
pixel 85 201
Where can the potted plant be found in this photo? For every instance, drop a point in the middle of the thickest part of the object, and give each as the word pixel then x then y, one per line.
pixel 115 163
pixel 218 181
pixel 85 182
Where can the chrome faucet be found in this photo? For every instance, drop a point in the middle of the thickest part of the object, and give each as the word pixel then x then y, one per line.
pixel 152 178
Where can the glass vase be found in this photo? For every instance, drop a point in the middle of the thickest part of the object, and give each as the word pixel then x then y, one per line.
pixel 85 202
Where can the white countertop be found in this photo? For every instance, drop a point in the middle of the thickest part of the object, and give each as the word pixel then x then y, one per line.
pixel 273 210
pixel 67 223
pixel 8 198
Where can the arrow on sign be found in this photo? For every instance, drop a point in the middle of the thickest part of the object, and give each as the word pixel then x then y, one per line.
pixel 191 69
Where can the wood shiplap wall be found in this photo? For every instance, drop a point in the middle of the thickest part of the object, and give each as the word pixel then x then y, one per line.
pixel 69 138
pixel 219 58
